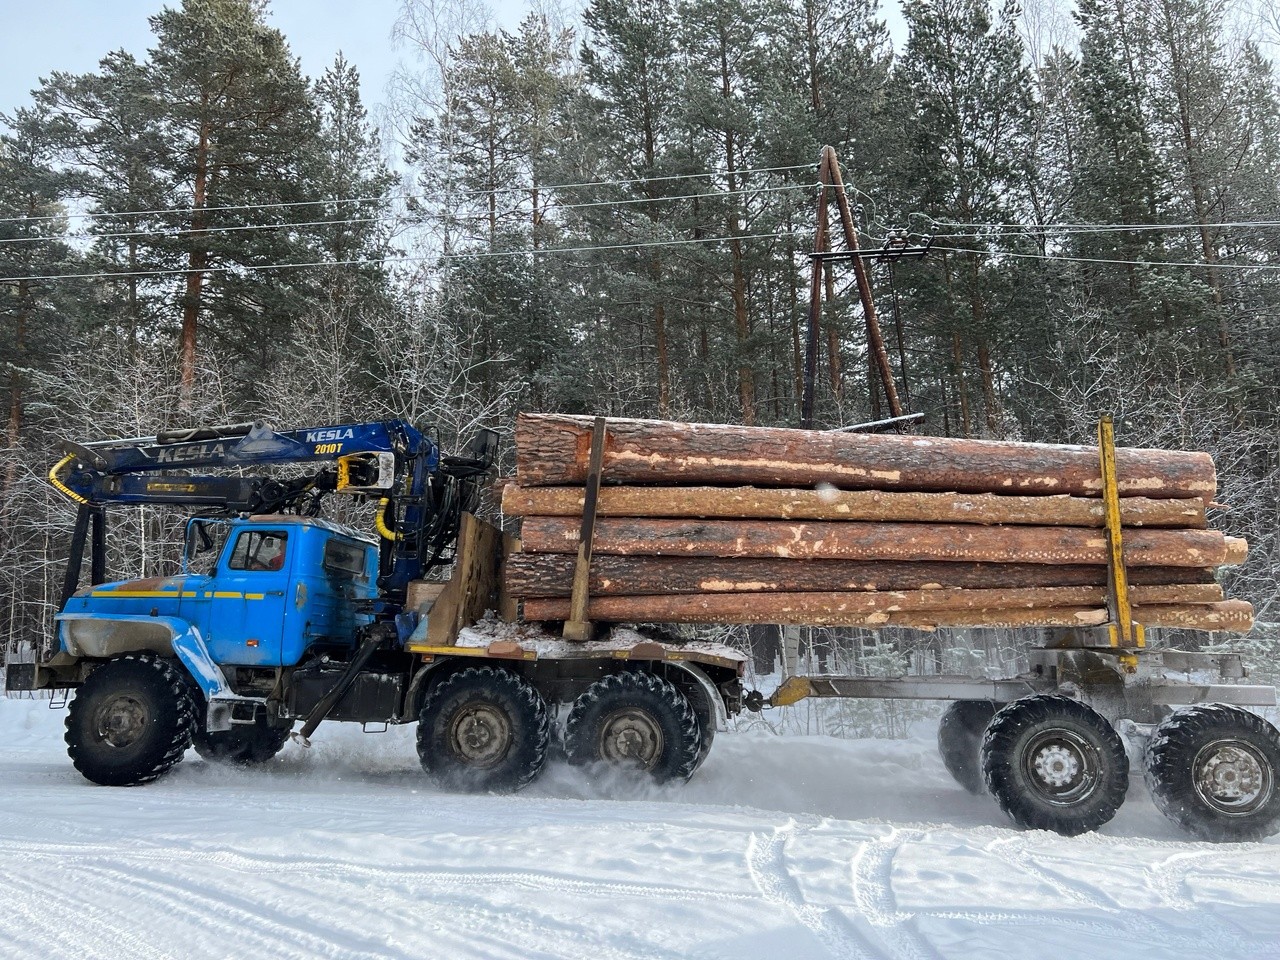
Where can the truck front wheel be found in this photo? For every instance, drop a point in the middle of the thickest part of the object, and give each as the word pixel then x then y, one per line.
pixel 483 729
pixel 130 721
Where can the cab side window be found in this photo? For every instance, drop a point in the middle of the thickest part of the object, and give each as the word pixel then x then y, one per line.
pixel 259 550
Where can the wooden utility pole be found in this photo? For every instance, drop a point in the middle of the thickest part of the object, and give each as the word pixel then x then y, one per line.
pixel 875 341
pixel 829 176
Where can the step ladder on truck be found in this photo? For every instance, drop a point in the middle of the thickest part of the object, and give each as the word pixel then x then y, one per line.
pixel 280 618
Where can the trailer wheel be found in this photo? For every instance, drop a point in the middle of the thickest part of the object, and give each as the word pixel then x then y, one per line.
pixel 1053 763
pixel 960 732
pixel 130 721
pixel 483 729
pixel 1212 770
pixel 635 720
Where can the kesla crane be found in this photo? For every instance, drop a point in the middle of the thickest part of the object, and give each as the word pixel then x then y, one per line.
pixel 422 493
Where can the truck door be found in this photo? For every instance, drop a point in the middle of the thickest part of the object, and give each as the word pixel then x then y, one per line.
pixel 247 618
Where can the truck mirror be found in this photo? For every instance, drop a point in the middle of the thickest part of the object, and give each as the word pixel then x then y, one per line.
pixel 198 540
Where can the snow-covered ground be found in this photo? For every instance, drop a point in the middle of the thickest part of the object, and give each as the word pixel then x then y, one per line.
pixel 787 848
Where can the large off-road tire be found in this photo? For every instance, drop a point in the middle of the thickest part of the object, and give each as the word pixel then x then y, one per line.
pixel 130 721
pixel 244 744
pixel 1212 770
pixel 483 729
pixel 960 732
pixel 638 721
pixel 1053 763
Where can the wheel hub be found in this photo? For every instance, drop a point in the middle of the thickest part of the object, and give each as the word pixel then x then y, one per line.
pixel 1231 777
pixel 1061 766
pixel 1057 766
pixel 480 735
pixel 120 721
pixel 631 736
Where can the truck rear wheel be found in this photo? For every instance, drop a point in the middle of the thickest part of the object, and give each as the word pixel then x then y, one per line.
pixel 130 721
pixel 1053 763
pixel 483 729
pixel 1212 770
pixel 960 732
pixel 638 721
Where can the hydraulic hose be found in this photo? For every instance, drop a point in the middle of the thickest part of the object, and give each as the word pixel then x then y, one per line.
pixel 380 521
pixel 62 487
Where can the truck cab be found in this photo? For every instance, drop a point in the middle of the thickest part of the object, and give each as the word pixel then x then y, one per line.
pixel 258 592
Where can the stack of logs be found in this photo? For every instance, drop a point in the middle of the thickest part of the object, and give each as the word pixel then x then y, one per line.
pixel 701 523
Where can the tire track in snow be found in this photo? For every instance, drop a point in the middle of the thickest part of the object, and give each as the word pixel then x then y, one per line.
pixel 326 867
pixel 289 940
pixel 872 874
pixel 270 938
pixel 1169 878
pixel 1211 936
pixel 767 866
pixel 44 935
pixel 220 911
pixel 89 916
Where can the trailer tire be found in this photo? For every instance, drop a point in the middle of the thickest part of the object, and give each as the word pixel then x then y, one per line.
pixel 130 721
pixel 960 732
pixel 483 729
pixel 637 720
pixel 1212 769
pixel 1053 763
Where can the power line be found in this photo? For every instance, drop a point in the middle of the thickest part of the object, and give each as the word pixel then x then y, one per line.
pixel 1133 263
pixel 159 211
pixel 395 217
pixel 1032 230
pixel 183 271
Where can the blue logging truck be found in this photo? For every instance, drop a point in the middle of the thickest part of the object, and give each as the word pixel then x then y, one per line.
pixel 280 617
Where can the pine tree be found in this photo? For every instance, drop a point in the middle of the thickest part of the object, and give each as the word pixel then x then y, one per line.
pixel 971 93
pixel 239 123
pixel 109 137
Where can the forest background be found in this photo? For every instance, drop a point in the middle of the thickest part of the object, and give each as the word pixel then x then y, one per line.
pixel 610 210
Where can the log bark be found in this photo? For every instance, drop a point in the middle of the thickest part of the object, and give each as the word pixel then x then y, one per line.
pixel 820 607
pixel 553 450
pixel 551 575
pixel 1227 615
pixel 875 541
pixel 769 504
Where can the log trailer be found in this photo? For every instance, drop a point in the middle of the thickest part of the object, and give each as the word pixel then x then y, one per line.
pixel 280 617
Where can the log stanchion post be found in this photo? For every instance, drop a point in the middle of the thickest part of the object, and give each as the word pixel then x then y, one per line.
pixel 578 627
pixel 1123 631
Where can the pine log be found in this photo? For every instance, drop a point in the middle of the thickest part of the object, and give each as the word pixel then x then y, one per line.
pixel 722 607
pixel 1228 615
pixel 874 541
pixel 1237 551
pixel 551 575
pixel 745 503
pixel 553 450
